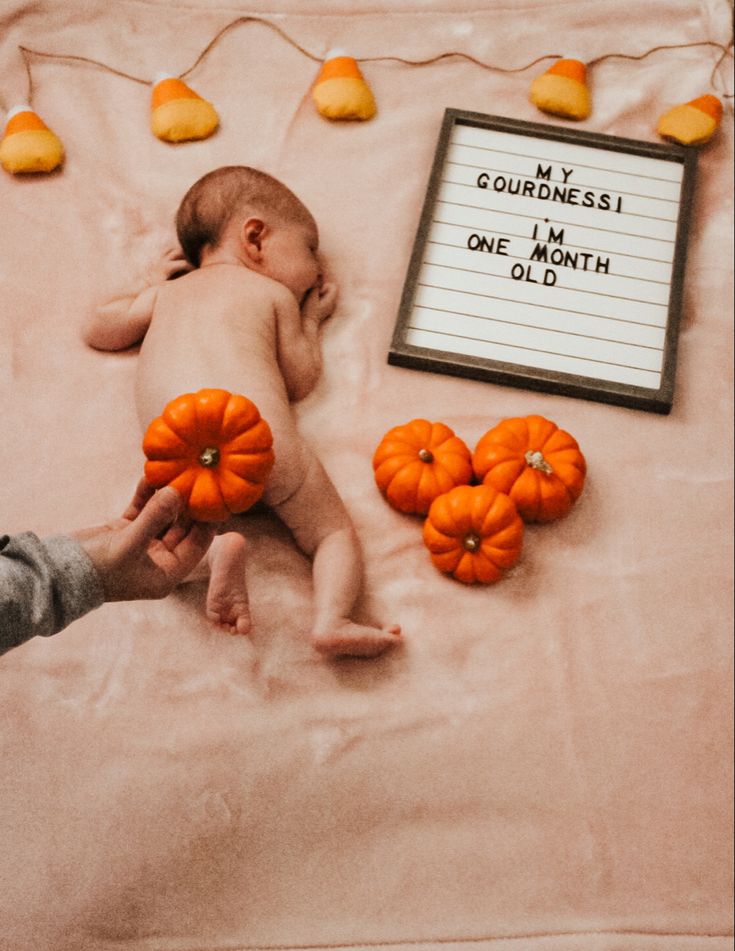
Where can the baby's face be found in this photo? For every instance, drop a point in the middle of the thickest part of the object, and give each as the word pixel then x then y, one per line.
pixel 293 257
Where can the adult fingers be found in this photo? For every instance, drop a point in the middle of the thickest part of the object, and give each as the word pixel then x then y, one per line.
pixel 192 548
pixel 143 492
pixel 178 530
pixel 157 515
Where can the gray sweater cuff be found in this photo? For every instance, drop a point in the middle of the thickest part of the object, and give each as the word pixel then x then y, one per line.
pixel 45 584
pixel 79 586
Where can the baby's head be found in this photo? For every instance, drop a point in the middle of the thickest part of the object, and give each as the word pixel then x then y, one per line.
pixel 256 218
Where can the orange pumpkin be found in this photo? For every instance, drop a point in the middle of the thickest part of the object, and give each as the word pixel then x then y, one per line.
pixel 533 461
pixel 474 533
pixel 214 448
pixel 418 461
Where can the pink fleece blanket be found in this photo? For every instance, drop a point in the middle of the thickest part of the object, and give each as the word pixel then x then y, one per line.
pixel 545 766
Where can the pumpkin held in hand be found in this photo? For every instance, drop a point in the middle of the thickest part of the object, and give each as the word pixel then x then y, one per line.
pixel 534 462
pixel 417 462
pixel 474 533
pixel 214 448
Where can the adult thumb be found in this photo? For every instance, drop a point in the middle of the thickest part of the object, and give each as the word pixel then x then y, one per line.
pixel 157 515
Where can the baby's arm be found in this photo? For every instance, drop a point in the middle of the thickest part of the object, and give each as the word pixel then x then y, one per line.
pixel 299 353
pixel 124 320
pixel 121 323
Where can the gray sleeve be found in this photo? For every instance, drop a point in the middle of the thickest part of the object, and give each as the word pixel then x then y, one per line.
pixel 45 584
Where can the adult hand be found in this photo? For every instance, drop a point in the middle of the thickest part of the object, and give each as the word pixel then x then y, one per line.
pixel 150 549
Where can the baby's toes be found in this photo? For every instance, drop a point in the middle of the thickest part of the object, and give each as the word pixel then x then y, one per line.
pixel 354 640
pixel 233 615
pixel 243 622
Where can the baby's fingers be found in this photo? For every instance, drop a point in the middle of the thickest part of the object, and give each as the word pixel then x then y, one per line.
pixel 328 298
pixel 173 264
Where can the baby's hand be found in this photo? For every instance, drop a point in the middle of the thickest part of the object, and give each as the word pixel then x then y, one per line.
pixel 320 302
pixel 172 264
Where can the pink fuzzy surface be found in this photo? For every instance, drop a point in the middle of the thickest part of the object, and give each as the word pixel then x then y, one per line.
pixel 544 766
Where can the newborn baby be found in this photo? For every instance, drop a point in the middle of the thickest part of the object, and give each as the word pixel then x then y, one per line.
pixel 246 319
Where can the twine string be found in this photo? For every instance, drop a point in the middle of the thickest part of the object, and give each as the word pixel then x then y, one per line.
pixel 28 54
pixel 724 51
pixel 242 20
pixel 727 51
pixel 457 53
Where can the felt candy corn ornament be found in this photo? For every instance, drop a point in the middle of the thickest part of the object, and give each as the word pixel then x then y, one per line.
pixel 692 123
pixel 178 114
pixel 28 145
pixel 340 90
pixel 562 90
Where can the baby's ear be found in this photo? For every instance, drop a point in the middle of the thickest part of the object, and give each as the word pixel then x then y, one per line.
pixel 252 232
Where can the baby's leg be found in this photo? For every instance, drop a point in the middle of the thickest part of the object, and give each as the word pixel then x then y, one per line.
pixel 227 594
pixel 317 517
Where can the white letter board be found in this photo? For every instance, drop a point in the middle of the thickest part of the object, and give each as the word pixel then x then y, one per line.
pixel 549 258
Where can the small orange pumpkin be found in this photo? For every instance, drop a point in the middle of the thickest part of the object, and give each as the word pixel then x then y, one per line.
pixel 416 462
pixel 537 464
pixel 474 533
pixel 214 448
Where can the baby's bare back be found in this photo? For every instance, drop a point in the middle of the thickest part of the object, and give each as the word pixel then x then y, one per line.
pixel 214 327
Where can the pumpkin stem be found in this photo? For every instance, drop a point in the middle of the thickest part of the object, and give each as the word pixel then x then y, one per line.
pixel 209 457
pixel 471 542
pixel 536 461
pixel 425 455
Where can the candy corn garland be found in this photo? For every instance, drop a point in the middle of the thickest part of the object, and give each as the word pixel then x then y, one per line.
pixel 28 145
pixel 562 90
pixel 178 114
pixel 340 90
pixel 692 123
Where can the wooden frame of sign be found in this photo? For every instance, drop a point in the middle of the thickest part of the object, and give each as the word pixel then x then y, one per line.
pixel 549 258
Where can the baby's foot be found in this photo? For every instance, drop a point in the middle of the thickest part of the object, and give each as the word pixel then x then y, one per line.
pixel 227 596
pixel 347 639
